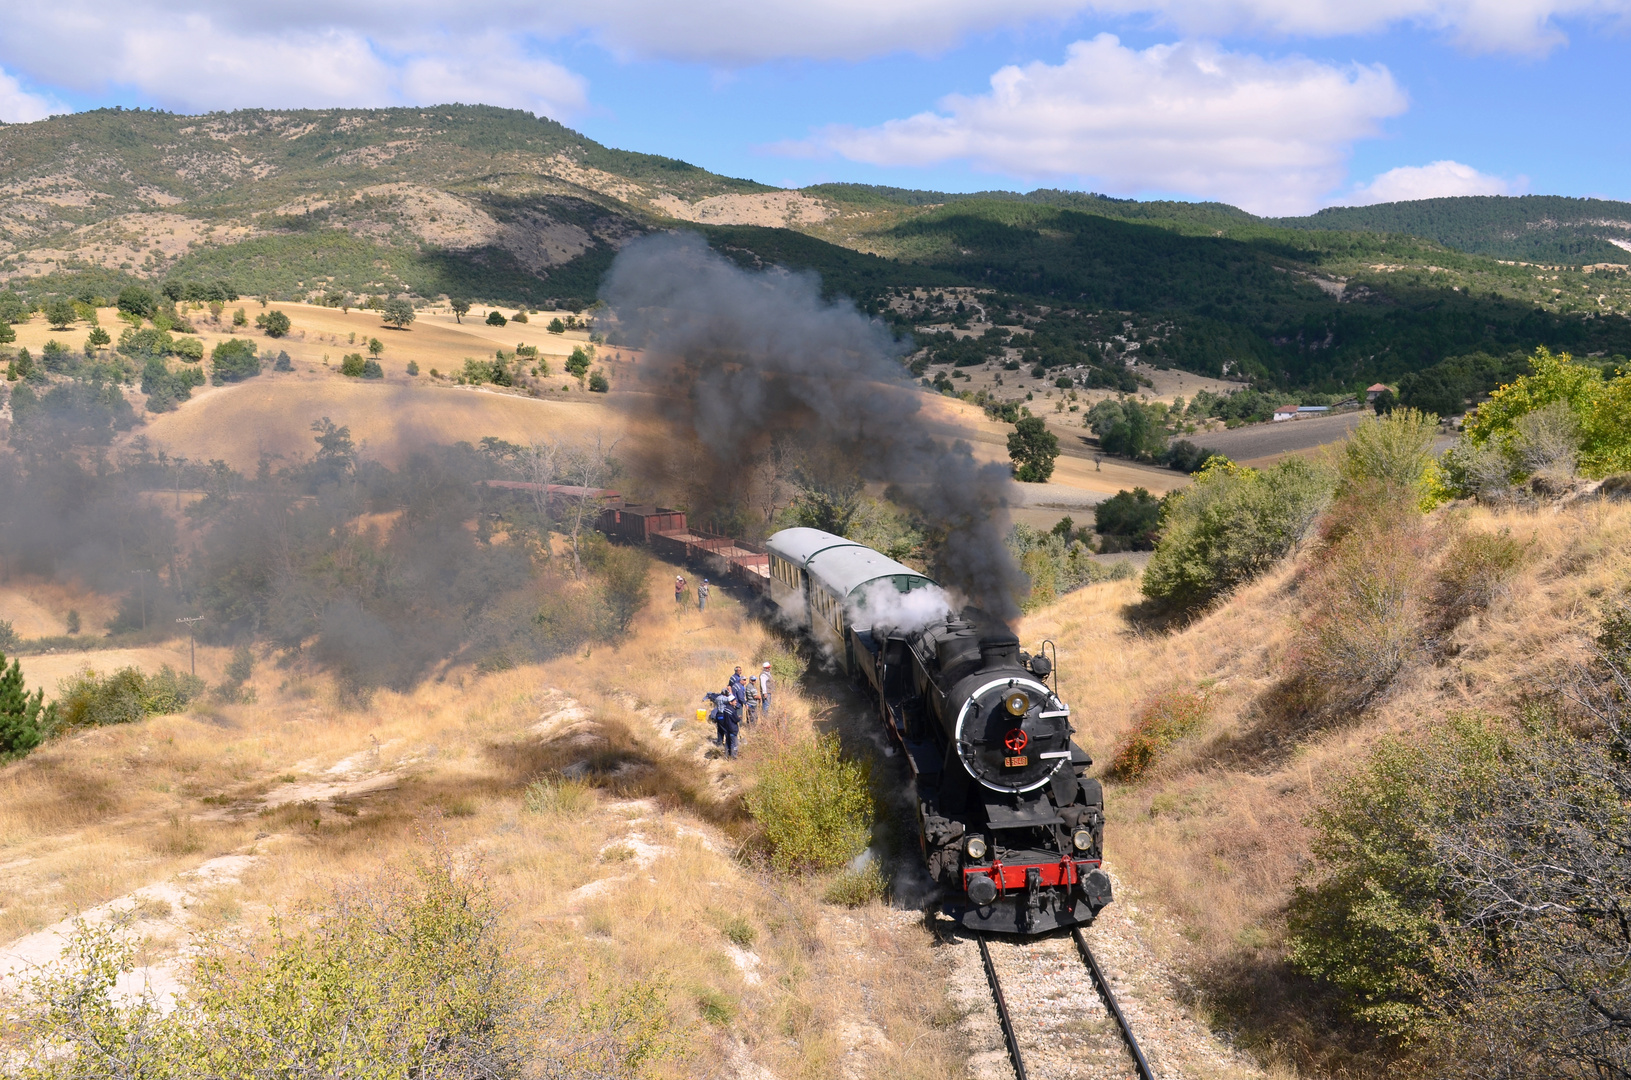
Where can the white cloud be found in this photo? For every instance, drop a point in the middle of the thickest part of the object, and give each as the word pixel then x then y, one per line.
pixel 18 106
pixel 1270 136
pixel 1435 181
pixel 220 53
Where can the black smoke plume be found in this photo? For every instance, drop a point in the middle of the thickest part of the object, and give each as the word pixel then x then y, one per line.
pixel 735 360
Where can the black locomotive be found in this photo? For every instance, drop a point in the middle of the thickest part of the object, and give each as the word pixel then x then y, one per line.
pixel 1011 825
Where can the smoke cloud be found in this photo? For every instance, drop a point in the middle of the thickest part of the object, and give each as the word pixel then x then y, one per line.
pixel 735 360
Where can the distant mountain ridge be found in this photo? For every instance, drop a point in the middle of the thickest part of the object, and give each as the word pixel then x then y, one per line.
pixel 498 205
pixel 1532 228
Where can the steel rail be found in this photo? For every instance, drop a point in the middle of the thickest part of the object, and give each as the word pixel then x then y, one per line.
pixel 1103 986
pixel 1003 1018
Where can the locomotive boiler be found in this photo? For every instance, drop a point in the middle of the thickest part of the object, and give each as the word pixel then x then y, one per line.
pixel 1011 826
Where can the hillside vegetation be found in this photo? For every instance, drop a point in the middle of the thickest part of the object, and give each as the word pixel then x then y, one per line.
pixel 492 204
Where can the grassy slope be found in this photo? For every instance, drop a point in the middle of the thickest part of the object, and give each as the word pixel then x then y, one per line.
pixel 640 884
pixel 1216 837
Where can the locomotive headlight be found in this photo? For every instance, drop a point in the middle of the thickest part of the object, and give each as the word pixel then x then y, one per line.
pixel 1082 839
pixel 975 846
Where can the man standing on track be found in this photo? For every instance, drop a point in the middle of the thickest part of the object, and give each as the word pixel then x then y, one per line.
pixel 764 690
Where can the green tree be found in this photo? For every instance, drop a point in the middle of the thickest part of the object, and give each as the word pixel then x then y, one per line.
pixel 461 308
pixel 59 312
pixel 398 312
pixel 1033 450
pixel 1129 516
pixel 375 347
pixel 556 326
pixel 496 318
pixel 24 718
pixel 351 365
pixel 1395 450
pixel 577 365
pixel 274 322
pixel 598 383
pixel 234 360
pixel 137 301
pixel 7 334
pixel 1230 525
pixel 239 317
pixel 98 338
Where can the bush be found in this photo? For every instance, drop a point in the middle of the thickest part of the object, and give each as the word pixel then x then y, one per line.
pixel 124 697
pixel 275 323
pixel 372 370
pixel 1054 565
pixel 815 807
pixel 1396 450
pixel 1162 722
pixel 282 363
pixel 413 367
pixel 857 888
pixel 25 719
pixel 188 349
pixel 234 360
pixel 1475 571
pixel 1229 526
pixel 1600 411
pixel 598 383
pixel 135 300
pixel 1132 515
pixel 351 365
pixel 1367 916
pixel 495 318
pixel 556 326
pixel 1364 610
pixel 577 365
pixel 9 637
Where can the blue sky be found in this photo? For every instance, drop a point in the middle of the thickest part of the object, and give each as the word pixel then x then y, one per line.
pixel 1280 106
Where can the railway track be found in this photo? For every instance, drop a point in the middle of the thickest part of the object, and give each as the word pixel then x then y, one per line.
pixel 1011 1036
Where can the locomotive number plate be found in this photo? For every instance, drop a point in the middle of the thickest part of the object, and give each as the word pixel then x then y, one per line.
pixel 1015 762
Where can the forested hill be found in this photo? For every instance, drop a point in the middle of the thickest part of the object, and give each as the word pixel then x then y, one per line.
pixel 1532 228
pixel 497 205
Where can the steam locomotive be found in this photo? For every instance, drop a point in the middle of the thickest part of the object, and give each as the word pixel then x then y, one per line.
pixel 1011 826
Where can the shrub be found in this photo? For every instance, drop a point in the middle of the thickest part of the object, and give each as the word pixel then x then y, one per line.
pixel 556 326
pixel 234 360
pixel 520 317
pixel 372 370
pixel 124 697
pixel 351 365
pixel 1367 915
pixel 239 318
pixel 577 365
pixel 1601 410
pixel 283 363
pixel 135 300
pixel 1395 449
pixel 598 383
pixel 495 318
pixel 1162 722
pixel 275 323
pixel 25 719
pixel 1475 571
pixel 1364 601
pixel 413 367
pixel 1131 516
pixel 1054 565
pixel 856 888
pixel 8 635
pixel 188 349
pixel 814 806
pixel 1229 526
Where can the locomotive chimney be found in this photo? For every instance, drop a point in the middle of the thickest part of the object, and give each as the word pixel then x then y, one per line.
pixel 999 650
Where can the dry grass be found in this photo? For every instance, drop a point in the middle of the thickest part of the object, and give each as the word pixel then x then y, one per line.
pixel 636 877
pixel 1217 840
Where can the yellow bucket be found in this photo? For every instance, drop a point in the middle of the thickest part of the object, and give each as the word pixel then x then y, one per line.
pixel 702 716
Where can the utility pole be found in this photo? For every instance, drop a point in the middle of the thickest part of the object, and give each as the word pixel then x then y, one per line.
pixel 144 596
pixel 192 646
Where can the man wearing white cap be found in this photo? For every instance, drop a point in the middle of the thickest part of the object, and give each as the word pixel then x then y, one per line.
pixel 764 690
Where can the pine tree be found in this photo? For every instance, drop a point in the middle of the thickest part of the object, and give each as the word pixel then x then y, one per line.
pixel 24 718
